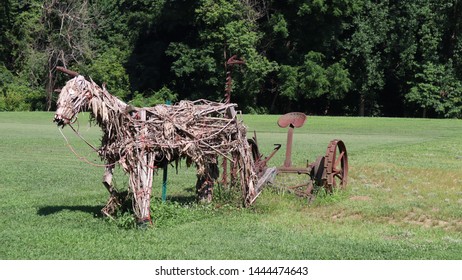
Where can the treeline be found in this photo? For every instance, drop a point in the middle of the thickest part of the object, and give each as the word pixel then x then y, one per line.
pixel 335 57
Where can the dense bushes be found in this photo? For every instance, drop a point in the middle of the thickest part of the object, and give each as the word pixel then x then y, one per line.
pixel 16 95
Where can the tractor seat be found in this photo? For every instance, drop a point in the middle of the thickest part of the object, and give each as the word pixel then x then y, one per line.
pixel 294 119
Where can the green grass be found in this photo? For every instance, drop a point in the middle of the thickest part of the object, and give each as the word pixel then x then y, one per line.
pixel 404 198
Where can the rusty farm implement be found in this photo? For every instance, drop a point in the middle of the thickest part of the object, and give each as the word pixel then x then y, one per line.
pixel 329 171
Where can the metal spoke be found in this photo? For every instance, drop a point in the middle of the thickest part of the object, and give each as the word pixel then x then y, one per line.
pixel 340 157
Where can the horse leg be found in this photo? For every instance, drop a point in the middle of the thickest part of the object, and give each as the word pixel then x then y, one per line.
pixel 204 184
pixel 224 175
pixel 233 170
pixel 107 180
pixel 203 192
pixel 141 184
pixel 115 198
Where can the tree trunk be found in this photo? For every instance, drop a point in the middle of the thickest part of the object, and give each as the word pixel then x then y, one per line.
pixel 50 88
pixel 273 103
pixel 362 106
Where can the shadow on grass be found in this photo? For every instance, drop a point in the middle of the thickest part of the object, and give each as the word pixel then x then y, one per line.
pixel 50 210
pixel 182 199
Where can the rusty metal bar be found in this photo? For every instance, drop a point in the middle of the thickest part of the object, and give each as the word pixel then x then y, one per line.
pixel 265 161
pixel 290 135
pixel 297 170
pixel 230 62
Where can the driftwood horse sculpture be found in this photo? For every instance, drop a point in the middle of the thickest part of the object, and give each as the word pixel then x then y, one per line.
pixel 143 139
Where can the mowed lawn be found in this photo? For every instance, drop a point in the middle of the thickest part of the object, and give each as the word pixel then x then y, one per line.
pixel 403 201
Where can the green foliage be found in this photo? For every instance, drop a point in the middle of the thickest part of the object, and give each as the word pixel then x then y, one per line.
pixel 340 57
pixel 170 214
pixel 426 92
pixel 216 13
pixel 190 61
pixel 5 76
pixel 257 69
pixel 227 197
pixel 22 27
pixel 288 75
pixel 314 79
pixel 336 8
pixel 162 96
pixel 365 53
pixel 5 25
pixel 436 88
pixel 107 68
pixel 16 98
pixel 339 79
pixel 279 25
pixel 254 110
pixel 17 95
pixel 124 220
pixel 111 24
pixel 224 28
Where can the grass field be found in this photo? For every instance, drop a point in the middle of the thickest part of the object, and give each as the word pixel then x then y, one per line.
pixel 404 199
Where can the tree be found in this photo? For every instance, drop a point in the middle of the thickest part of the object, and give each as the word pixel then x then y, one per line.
pixel 365 53
pixel 65 38
pixel 419 49
pixel 5 26
pixel 436 88
pixel 19 64
pixel 224 28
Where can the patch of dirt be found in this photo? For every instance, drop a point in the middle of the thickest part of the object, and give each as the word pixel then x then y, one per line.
pixel 427 221
pixel 343 215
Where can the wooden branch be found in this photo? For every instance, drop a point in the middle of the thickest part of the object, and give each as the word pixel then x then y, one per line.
pixel 67 71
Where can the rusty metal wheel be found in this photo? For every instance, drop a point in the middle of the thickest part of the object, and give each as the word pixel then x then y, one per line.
pixel 336 166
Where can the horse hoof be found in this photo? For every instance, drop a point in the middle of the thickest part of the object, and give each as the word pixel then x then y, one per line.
pixel 143 224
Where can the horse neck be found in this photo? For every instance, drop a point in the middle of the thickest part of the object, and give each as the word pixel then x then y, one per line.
pixel 105 107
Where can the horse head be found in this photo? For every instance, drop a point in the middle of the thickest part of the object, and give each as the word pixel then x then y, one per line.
pixel 73 98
